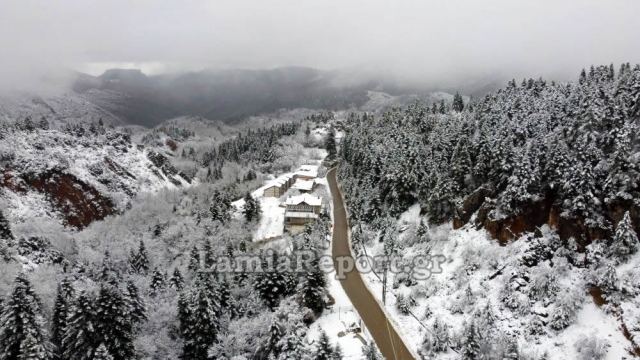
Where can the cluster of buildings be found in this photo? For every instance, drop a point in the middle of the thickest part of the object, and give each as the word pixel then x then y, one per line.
pixel 299 209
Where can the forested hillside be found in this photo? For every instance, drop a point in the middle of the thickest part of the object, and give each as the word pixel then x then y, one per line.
pixel 532 153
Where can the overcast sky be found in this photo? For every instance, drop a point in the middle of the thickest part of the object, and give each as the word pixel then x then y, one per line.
pixel 422 40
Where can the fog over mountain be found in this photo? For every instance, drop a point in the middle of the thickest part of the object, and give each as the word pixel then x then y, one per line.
pixel 414 42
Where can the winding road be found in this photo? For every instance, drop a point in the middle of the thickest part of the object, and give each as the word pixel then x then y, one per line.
pixel 371 312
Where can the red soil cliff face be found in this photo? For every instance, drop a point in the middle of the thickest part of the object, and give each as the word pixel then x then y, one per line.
pixel 536 214
pixel 78 202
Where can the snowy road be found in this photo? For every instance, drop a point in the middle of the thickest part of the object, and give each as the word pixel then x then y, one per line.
pixel 375 319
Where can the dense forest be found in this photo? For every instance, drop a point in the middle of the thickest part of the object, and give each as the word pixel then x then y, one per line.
pixel 567 151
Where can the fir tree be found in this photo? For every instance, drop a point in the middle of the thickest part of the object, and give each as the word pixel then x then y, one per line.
pixel 158 282
pixel 6 238
pixel 113 323
pixel 251 208
pixel 22 334
pixel 140 261
pixel 81 338
pixel 102 353
pixel 270 283
pixel 625 240
pixel 470 343
pixel 137 310
pixel 209 256
pixel 370 352
pixel 442 109
pixel 61 313
pixel 330 144
pixel 177 280
pixel 324 350
pixel 199 321
pixel 313 287
pixel 194 259
pixel 458 103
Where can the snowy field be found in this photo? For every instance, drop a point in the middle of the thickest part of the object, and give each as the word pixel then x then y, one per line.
pixel 472 259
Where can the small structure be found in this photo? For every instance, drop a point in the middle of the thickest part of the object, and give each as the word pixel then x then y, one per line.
pixel 305 186
pixel 301 210
pixel 279 186
pixel 307 172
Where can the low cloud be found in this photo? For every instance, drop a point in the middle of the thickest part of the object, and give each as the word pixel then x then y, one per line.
pixel 415 41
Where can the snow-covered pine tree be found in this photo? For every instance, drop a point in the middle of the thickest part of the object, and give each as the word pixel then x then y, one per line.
pixel 271 284
pixel 252 209
pixel 102 353
pixel 137 310
pixel 22 333
pixel 209 256
pixel 141 260
pixel 330 144
pixel 458 103
pixel 61 312
pixel 313 287
pixel 79 340
pixel 324 350
pixel 113 323
pixel 177 280
pixel 202 329
pixel 370 352
pixel 158 282
pixel 6 238
pixel 625 241
pixel 470 342
pixel 607 277
pixel 194 259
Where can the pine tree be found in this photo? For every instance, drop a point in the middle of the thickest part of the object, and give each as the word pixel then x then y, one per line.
pixel 313 287
pixel 185 314
pixel 80 337
pixel 158 282
pixel 113 323
pixel 607 278
pixel 22 333
pixel 6 238
pixel 142 260
pixel 194 259
pixel 458 103
pixel 61 312
pixel 370 352
pixel 102 353
pixel 177 280
pixel 470 343
pixel 270 283
pixel 324 350
pixel 209 256
pixel 330 144
pixel 251 208
pixel 203 326
pixel 442 109
pixel 137 310
pixel 32 349
pixel 625 240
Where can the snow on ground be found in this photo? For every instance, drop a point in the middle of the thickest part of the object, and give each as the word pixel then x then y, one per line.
pixel 272 220
pixel 471 258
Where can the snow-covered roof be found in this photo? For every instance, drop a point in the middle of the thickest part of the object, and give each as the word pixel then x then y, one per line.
pixel 304 198
pixel 300 214
pixel 281 180
pixel 308 170
pixel 305 185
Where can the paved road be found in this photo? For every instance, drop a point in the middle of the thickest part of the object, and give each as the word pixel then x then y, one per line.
pixel 385 336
